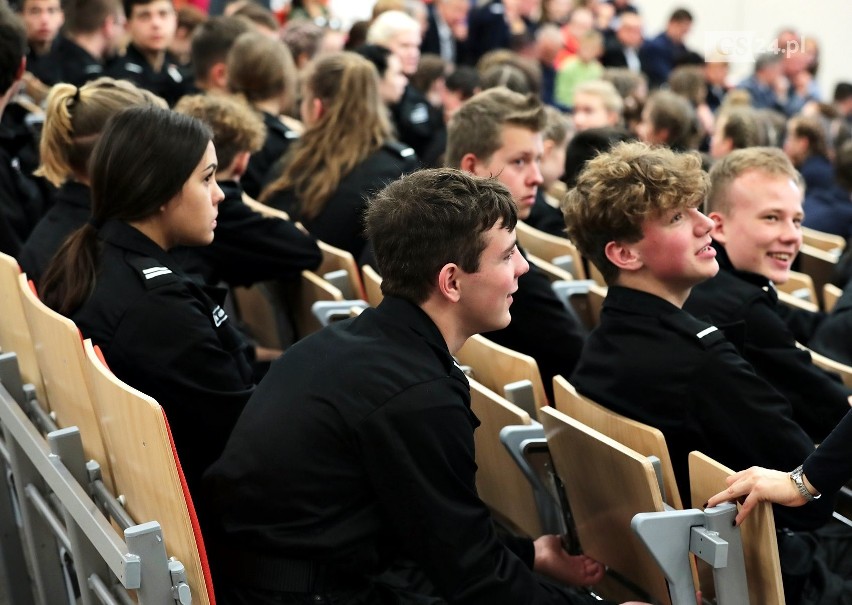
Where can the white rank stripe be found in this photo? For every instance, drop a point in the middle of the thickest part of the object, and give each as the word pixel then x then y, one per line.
pixel 709 330
pixel 156 272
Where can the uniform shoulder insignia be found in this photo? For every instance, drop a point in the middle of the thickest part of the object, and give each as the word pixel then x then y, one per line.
pixel 133 67
pixel 419 114
pixel 694 329
pixel 400 149
pixel 152 272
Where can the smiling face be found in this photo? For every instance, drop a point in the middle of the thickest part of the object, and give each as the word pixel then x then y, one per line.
pixel 486 295
pixel 189 218
pixel 674 253
pixel 762 231
pixel 516 164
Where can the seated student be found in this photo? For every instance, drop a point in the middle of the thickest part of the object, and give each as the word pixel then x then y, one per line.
pixel 755 202
pixel 209 49
pixel 92 31
pixel 153 188
pixel 21 200
pixel 634 215
pixel 356 451
pixel 262 71
pixel 668 119
pixel 248 247
pixel 74 120
pixel 498 133
pixel 806 147
pixel 42 20
pixel 597 104
pixel 545 215
pixel 735 128
pixel 147 62
pixel 345 154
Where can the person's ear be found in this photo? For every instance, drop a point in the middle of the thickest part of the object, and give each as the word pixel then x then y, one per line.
pixel 448 282
pixel 219 75
pixel 718 230
pixel 469 163
pixel 240 164
pixel 623 256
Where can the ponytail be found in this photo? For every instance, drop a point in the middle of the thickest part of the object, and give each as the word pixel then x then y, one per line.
pixel 70 277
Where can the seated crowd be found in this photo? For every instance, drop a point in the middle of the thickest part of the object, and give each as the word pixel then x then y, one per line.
pixel 137 137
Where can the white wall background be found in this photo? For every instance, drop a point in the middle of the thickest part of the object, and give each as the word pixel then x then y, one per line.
pixel 827 21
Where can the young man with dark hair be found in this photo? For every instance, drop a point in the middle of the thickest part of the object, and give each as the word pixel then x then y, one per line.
pixel 42 20
pixel 660 54
pixel 92 29
pixel 499 133
pixel 147 62
pixel 634 214
pixel 356 451
pixel 209 49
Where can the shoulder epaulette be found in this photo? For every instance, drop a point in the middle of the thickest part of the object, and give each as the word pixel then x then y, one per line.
pixel 152 272
pixel 694 329
pixel 400 149
pixel 133 67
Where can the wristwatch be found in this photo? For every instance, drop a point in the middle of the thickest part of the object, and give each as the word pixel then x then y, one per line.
pixel 796 478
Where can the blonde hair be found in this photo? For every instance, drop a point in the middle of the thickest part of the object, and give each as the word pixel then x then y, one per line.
pixel 74 120
pixel 618 190
pixel 236 127
pixel 768 160
pixel 353 125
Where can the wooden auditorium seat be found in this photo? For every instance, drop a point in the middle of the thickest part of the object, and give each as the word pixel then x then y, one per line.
pixel 499 481
pixel 59 350
pixel 607 483
pixel 147 470
pixel 372 285
pixel 640 437
pixel 15 334
pixel 495 366
pixel 760 547
pixel 549 248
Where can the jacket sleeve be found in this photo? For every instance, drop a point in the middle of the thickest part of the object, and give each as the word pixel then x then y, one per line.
pixel 830 466
pixel 169 347
pixel 819 401
pixel 249 247
pixel 758 430
pixel 419 456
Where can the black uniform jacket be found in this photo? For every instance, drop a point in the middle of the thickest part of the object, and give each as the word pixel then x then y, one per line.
pixel 748 304
pixel 357 448
pixel 657 364
pixel 830 466
pixel 170 82
pixel 340 223
pixel 21 203
pixel 278 139
pixel 833 338
pixel 168 337
pixel 542 328
pixel 76 65
pixel 71 208
pixel 249 247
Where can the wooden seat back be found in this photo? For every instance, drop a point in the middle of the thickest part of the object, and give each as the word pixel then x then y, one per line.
pixel 800 283
pixel 496 366
pixel 146 469
pixel 760 547
pixel 310 289
pixel 640 437
pixel 15 334
pixel 607 484
pixel 59 350
pixel 547 247
pixel 499 481
pixel 372 285
pixel 830 295
pixel 819 265
pixel 824 241
pixel 335 259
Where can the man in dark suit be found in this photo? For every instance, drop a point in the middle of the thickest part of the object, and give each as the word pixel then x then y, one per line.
pixel 621 49
pixel 447 32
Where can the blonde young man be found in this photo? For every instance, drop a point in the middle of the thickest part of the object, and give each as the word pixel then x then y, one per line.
pixel 755 203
